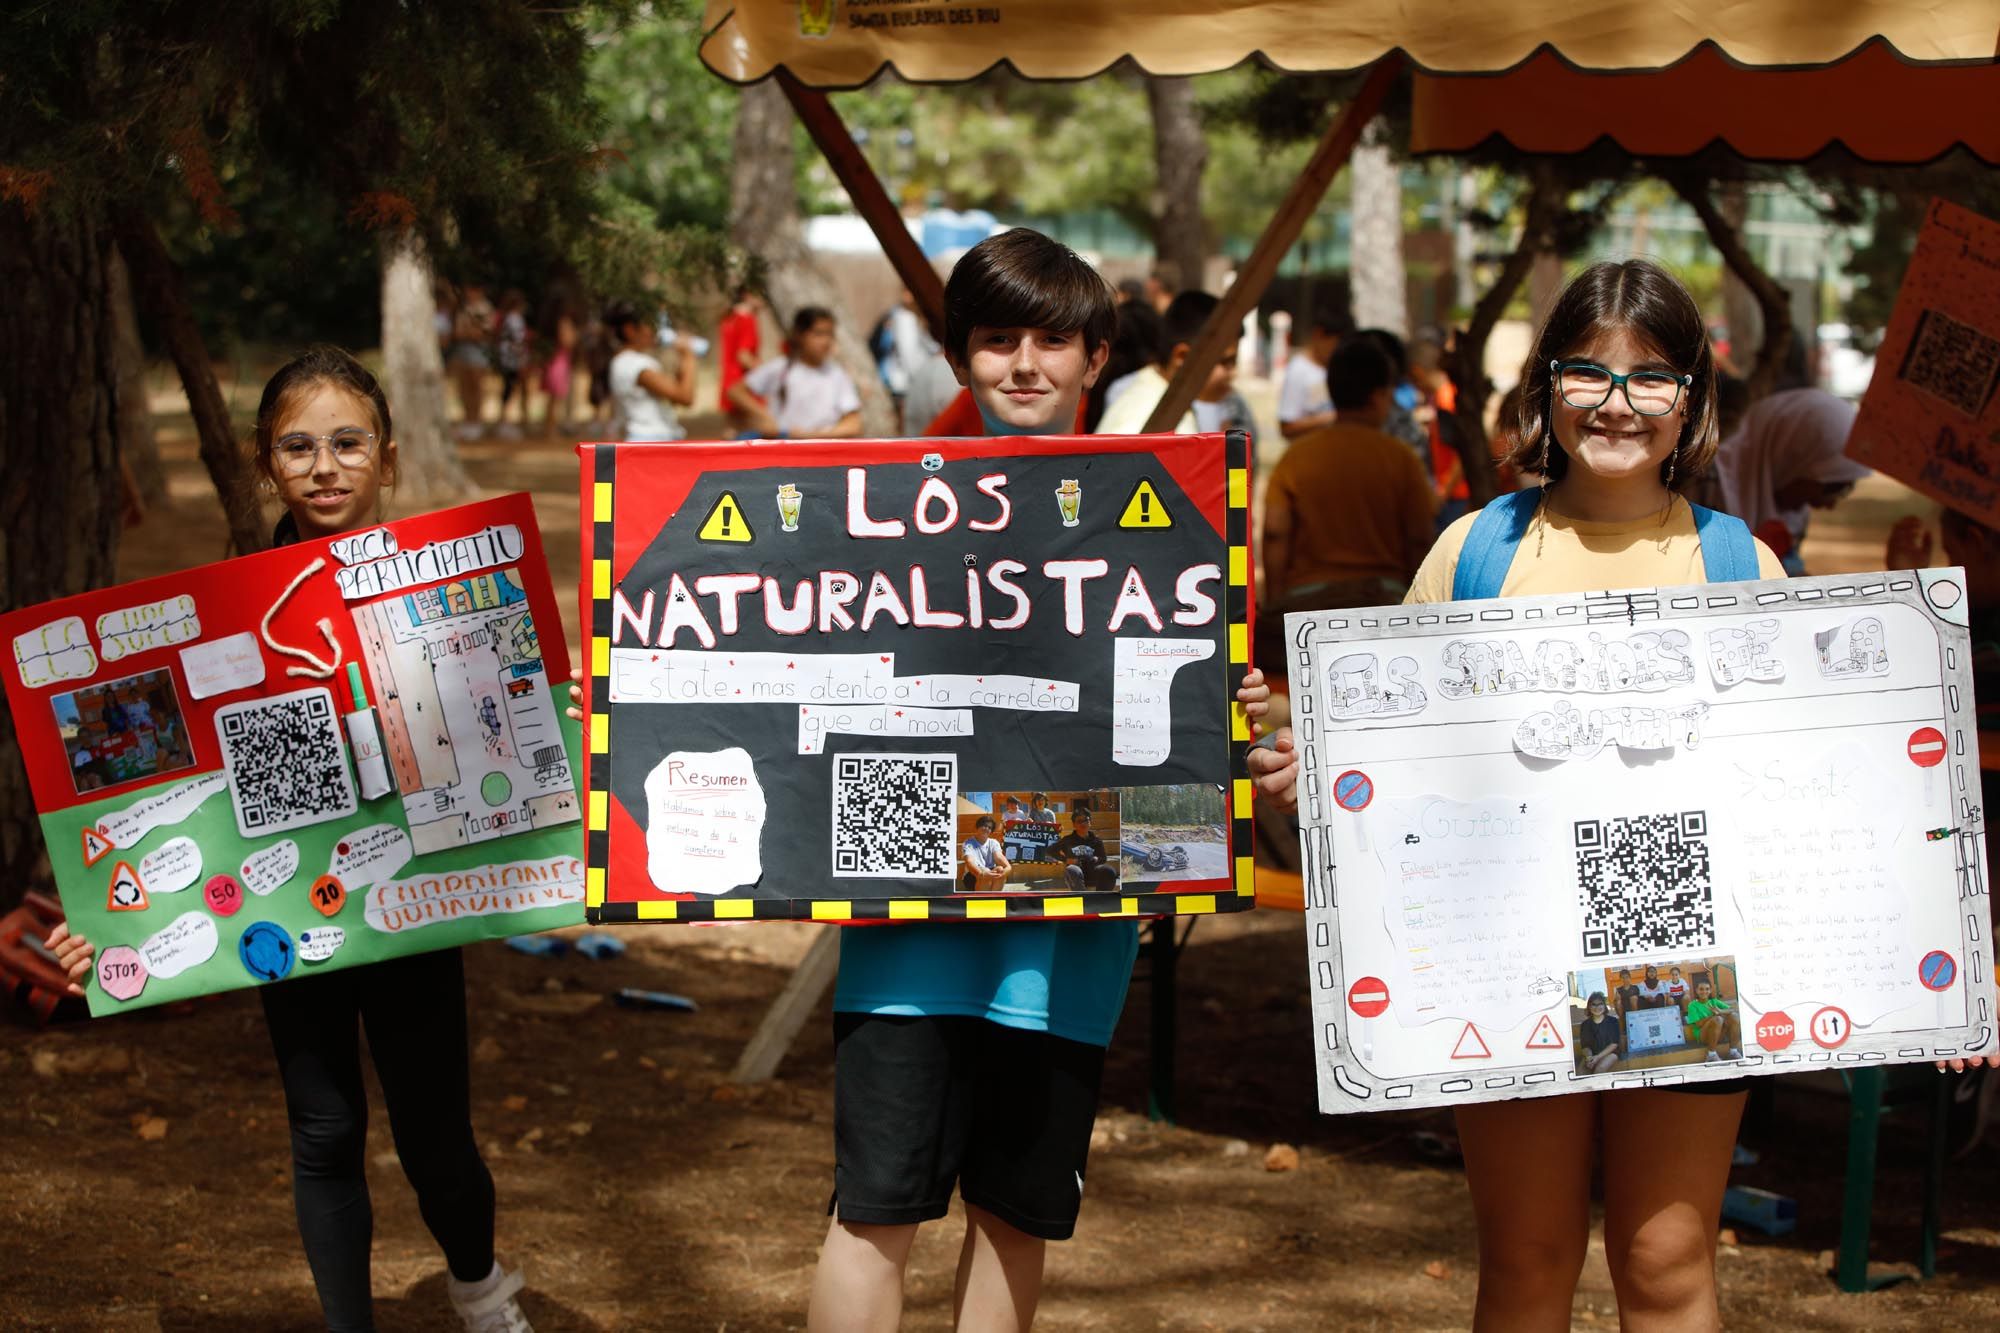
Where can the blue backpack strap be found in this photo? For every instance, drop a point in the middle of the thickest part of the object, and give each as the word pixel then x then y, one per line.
pixel 1490 545
pixel 1728 551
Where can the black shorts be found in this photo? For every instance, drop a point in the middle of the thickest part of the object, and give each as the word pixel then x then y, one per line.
pixel 921 1104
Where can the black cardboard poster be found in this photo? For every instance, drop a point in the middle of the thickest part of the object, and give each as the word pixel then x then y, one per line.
pixel 818 669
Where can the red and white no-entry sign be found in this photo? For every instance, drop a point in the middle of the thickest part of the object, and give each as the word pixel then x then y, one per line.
pixel 1369 997
pixel 1926 747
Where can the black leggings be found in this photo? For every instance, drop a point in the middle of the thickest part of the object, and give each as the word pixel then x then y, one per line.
pixel 414 1011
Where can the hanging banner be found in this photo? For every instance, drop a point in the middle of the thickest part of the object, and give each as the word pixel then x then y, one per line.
pixel 1555 844
pixel 309 758
pixel 910 680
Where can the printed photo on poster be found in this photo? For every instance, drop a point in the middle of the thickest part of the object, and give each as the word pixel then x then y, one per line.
pixel 123 730
pixel 1172 833
pixel 1681 1011
pixel 1041 841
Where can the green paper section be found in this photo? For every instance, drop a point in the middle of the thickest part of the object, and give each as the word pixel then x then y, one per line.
pixel 212 825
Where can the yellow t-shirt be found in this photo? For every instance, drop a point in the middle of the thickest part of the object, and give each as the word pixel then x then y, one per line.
pixel 1560 554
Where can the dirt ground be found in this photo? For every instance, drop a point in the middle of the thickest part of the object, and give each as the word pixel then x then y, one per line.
pixel 144 1174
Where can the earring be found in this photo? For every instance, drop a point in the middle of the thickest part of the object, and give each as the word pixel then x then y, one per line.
pixel 1672 459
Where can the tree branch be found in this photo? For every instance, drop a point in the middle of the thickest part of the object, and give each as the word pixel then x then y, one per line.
pixel 1468 354
pixel 156 287
pixel 1729 243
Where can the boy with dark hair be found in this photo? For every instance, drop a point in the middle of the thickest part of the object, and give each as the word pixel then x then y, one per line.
pixel 970 1053
pixel 1127 409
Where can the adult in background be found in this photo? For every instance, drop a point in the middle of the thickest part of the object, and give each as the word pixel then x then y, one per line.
pixel 1304 405
pixel 1785 460
pixel 1348 510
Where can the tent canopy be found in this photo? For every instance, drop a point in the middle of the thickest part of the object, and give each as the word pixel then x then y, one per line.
pixel 1876 105
pixel 831 44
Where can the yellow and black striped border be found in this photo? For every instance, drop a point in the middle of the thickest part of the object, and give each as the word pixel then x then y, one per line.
pixel 1236 609
pixel 597 838
pixel 1011 906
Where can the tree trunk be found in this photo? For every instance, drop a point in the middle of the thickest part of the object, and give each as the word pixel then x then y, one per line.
pixel 1375 256
pixel 1740 309
pixel 1466 361
pixel 156 285
pixel 1772 303
pixel 59 501
pixel 1180 155
pixel 137 444
pixel 428 473
pixel 764 221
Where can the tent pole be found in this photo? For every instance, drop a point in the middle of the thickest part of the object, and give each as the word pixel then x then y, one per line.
pixel 851 167
pixel 1220 333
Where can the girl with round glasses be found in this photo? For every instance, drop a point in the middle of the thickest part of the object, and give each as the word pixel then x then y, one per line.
pixel 1618 415
pixel 323 441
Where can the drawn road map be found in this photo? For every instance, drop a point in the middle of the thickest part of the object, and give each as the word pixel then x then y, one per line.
pixel 468 723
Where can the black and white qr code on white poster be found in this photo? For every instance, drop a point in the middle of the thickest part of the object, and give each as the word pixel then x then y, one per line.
pixel 1643 884
pixel 894 815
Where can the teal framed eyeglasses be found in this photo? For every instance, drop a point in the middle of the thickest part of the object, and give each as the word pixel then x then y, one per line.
pixel 1585 385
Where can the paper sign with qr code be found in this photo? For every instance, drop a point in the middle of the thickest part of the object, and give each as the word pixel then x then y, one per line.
pixel 1564 843
pixel 248 788
pixel 910 680
pixel 1931 417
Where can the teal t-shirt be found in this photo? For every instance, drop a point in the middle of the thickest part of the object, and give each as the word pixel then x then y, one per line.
pixel 1067 978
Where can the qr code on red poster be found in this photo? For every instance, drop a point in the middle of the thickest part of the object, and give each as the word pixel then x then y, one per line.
pixel 1642 884
pixel 1952 362
pixel 894 815
pixel 286 765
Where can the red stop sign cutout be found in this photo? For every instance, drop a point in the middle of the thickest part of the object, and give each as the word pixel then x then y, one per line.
pixel 1369 997
pixel 1775 1030
pixel 1926 747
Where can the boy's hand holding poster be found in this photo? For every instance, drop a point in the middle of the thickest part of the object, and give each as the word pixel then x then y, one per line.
pixel 1932 414
pixel 309 758
pixel 1606 840
pixel 913 680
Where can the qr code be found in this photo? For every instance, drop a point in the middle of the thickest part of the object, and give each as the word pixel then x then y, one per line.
pixel 1642 884
pixel 285 762
pixel 893 815
pixel 1952 361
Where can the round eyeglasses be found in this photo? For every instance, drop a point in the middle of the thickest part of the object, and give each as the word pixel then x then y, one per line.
pixel 1585 385
pixel 296 454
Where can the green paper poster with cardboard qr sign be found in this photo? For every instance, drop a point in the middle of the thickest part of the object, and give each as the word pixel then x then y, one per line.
pixel 306 759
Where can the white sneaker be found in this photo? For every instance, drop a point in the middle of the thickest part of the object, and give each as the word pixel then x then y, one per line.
pixel 1736 1052
pixel 488 1306
pixel 1714 1058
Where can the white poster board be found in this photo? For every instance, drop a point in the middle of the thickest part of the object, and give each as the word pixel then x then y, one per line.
pixel 1507 806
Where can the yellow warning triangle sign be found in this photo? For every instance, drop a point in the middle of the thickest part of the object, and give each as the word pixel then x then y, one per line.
pixel 95 846
pixel 126 893
pixel 1144 509
pixel 725 522
pixel 1545 1037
